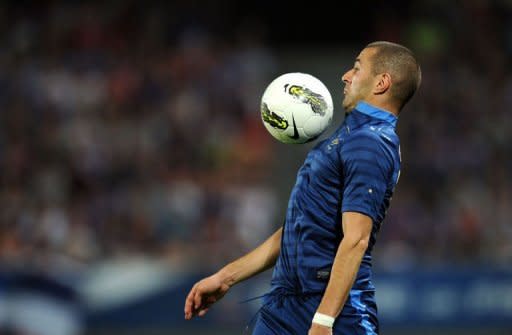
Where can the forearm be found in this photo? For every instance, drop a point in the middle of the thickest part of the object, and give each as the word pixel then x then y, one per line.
pixel 256 261
pixel 343 273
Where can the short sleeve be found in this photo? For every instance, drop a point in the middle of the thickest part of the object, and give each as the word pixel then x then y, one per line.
pixel 367 170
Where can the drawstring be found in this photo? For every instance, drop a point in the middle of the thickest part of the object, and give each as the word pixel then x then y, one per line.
pixel 253 319
pixel 252 299
pixel 279 295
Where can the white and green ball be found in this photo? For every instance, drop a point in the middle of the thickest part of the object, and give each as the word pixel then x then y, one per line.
pixel 296 108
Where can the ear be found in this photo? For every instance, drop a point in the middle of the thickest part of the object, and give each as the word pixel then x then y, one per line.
pixel 383 83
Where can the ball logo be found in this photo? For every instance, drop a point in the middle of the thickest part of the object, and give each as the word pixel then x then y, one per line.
pixel 305 95
pixel 272 118
pixel 295 135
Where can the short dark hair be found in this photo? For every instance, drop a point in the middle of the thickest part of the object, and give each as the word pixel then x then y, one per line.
pixel 401 64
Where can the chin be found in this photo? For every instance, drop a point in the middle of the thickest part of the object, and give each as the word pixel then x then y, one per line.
pixel 348 107
pixel 347 104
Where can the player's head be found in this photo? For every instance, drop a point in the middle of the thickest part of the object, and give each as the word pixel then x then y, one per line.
pixel 385 74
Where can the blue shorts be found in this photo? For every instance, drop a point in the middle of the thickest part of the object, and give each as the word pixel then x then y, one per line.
pixel 288 314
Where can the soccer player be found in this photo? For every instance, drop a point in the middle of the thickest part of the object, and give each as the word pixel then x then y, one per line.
pixel 321 282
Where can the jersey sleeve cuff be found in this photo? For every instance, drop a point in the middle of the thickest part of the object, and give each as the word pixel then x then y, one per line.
pixel 359 209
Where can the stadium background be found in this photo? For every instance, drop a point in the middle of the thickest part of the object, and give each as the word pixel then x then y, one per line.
pixel 133 160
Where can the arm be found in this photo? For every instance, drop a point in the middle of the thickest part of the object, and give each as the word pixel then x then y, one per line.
pixel 356 229
pixel 369 166
pixel 211 289
pixel 256 261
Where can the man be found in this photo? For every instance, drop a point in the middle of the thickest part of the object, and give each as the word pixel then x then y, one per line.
pixel 322 255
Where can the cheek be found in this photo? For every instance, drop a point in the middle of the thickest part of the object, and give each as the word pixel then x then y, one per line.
pixel 360 83
pixel 356 84
pixel 357 78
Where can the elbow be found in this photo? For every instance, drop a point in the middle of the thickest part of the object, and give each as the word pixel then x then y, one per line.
pixel 359 244
pixel 363 244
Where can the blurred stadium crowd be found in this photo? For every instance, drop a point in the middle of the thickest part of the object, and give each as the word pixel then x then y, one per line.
pixel 125 135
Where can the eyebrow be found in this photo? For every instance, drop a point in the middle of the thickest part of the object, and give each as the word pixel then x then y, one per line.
pixel 358 60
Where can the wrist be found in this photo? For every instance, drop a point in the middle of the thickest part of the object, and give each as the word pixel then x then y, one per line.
pixel 323 320
pixel 225 277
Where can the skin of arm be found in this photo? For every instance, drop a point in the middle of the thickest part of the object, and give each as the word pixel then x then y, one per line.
pixel 211 289
pixel 357 228
pixel 258 260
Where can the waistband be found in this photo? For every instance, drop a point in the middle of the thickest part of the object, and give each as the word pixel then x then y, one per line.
pixel 277 295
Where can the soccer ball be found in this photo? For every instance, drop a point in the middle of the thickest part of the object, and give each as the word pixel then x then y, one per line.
pixel 296 108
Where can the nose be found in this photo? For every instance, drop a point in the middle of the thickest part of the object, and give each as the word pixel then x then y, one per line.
pixel 347 77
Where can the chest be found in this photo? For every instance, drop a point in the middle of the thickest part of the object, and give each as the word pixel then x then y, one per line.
pixel 324 161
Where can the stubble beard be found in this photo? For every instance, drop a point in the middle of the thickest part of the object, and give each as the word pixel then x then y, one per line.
pixel 348 103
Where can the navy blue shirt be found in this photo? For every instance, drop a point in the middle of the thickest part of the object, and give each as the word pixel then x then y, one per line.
pixel 355 170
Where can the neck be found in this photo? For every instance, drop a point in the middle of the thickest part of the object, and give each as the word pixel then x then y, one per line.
pixel 384 105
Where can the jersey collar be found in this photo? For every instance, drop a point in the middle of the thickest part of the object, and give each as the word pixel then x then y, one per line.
pixel 375 112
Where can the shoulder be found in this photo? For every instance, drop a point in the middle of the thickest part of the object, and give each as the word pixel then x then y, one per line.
pixel 373 136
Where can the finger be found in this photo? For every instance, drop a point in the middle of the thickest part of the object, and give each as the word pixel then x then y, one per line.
pixel 190 300
pixel 203 311
pixel 198 297
pixel 189 314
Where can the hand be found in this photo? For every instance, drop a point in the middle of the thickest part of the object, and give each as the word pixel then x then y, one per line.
pixel 203 294
pixel 317 329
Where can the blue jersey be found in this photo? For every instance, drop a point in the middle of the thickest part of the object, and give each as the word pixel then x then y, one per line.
pixel 355 170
